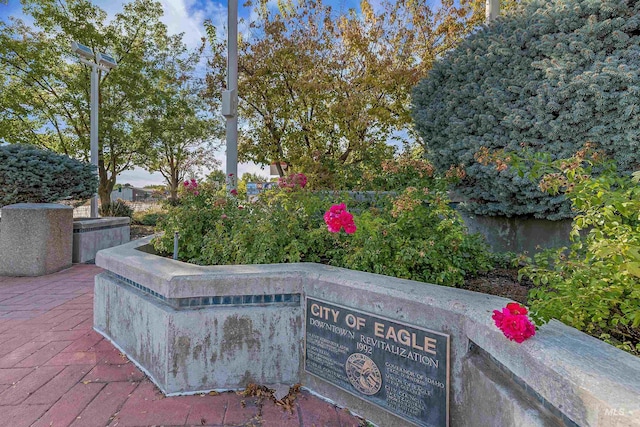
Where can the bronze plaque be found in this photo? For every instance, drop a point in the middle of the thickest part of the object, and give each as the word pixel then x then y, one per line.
pixel 401 368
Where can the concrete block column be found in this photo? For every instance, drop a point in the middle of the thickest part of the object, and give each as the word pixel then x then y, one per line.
pixel 35 239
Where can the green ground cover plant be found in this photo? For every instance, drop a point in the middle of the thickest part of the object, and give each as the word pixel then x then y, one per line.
pixel 147 218
pixel 412 234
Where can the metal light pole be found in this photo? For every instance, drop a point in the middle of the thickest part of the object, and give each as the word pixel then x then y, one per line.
pixel 94 132
pixel 105 63
pixel 230 97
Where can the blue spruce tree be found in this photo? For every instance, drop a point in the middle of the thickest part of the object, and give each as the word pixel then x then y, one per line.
pixel 550 75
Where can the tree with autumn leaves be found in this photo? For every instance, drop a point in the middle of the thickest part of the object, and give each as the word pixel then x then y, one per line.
pixel 325 92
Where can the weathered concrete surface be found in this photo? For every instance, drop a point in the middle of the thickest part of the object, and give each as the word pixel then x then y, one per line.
pixel 93 234
pixel 209 348
pixel 581 379
pixel 137 324
pixel 35 239
pixel 518 234
pixel 234 346
pixel 510 405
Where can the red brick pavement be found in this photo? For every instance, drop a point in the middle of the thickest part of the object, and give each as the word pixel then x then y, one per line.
pixel 56 371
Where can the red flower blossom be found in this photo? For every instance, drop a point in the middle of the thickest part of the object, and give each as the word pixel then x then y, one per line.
pixel 512 320
pixel 234 192
pixel 338 218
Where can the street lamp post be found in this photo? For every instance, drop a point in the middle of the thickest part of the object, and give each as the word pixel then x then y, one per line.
pixel 230 96
pixel 105 63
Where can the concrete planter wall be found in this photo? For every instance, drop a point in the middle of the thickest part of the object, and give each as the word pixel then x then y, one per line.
pixel 519 234
pixel 93 234
pixel 196 328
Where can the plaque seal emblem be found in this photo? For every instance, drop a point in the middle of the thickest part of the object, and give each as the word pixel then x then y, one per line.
pixel 363 374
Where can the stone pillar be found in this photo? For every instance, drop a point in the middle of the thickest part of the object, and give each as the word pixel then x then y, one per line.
pixel 35 239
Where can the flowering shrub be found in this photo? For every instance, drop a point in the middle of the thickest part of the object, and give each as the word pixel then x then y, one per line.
pixel 593 284
pixel 293 181
pixel 191 186
pixel 338 218
pixel 512 320
pixel 428 243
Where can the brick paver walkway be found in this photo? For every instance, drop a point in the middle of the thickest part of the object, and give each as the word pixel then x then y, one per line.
pixel 56 371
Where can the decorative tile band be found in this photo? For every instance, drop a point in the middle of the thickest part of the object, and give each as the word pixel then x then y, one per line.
pixel 138 286
pixel 238 300
pixel 104 227
pixel 566 421
pixel 210 301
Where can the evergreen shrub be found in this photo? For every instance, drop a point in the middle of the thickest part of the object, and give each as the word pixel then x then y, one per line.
pixel 549 76
pixel 32 175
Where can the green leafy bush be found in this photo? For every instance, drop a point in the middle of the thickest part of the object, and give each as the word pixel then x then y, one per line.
pixel 118 208
pixel 413 235
pixel 549 75
pixel 31 175
pixel 147 218
pixel 594 285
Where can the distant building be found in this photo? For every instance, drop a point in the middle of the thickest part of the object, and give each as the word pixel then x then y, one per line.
pixel 132 194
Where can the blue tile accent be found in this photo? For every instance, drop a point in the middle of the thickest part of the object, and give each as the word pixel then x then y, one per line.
pixel 104 227
pixel 217 300
pixel 568 422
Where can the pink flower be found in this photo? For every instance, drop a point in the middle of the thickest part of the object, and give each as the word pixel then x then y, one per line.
pixel 512 320
pixel 234 192
pixel 299 179
pixel 338 218
pixel 191 186
pixel 296 180
pixel 223 216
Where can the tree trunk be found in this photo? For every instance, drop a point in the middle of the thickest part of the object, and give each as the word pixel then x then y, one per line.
pixel 106 183
pixel 104 192
pixel 173 187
